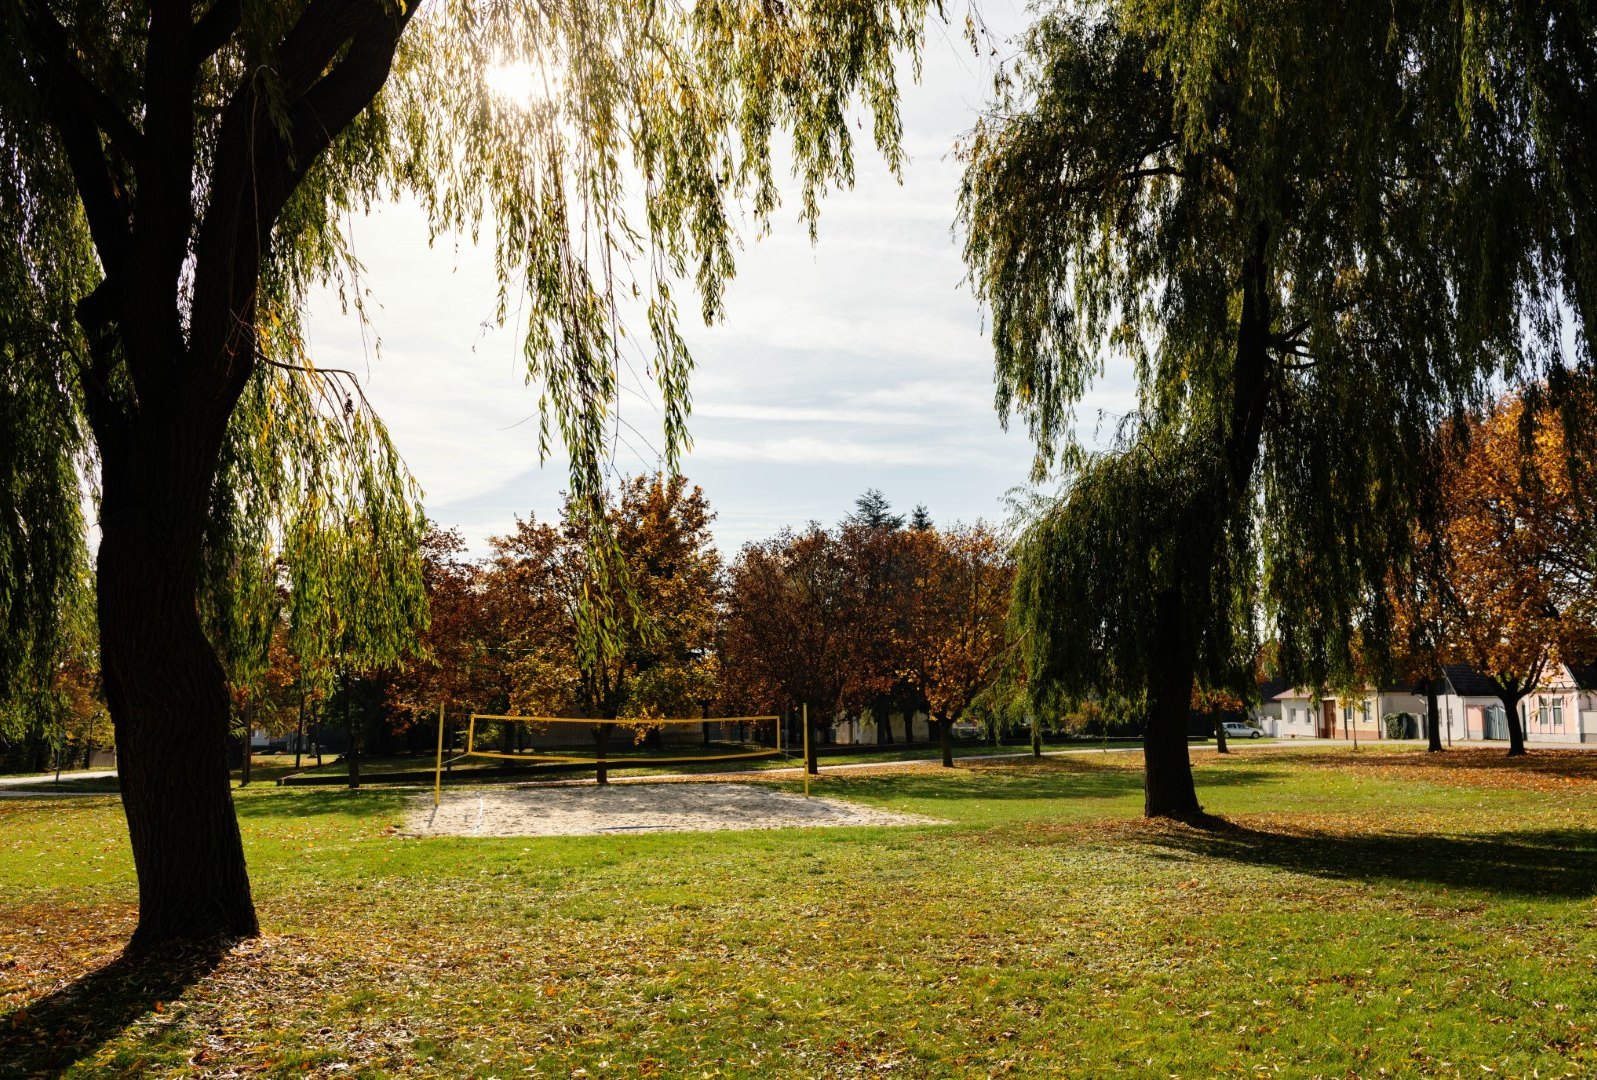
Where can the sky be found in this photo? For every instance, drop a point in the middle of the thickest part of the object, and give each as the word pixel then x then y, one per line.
pixel 856 362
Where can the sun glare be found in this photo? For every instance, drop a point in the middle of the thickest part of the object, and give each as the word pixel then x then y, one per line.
pixel 517 83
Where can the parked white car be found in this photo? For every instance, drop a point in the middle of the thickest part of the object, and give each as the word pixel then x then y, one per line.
pixel 1235 730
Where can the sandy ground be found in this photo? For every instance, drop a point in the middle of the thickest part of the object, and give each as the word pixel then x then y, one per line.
pixel 624 808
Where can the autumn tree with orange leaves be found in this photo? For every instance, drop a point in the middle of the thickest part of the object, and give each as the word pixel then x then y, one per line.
pixel 1518 564
pixel 459 667
pixel 665 575
pixel 957 644
pixel 793 635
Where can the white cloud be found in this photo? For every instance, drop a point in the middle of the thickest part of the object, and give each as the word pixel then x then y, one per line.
pixel 857 362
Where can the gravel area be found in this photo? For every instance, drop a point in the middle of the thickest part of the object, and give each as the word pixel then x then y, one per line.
pixel 624 808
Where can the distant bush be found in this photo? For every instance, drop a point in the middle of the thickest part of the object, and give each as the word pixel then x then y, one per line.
pixel 1401 725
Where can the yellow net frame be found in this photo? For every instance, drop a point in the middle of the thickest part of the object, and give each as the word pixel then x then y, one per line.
pixel 595 759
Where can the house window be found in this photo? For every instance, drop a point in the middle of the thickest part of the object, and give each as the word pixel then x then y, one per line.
pixel 1541 712
pixel 1558 714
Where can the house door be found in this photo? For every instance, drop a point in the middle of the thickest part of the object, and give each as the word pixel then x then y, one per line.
pixel 1496 723
pixel 1327 720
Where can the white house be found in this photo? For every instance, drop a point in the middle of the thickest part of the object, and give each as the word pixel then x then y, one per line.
pixel 1308 715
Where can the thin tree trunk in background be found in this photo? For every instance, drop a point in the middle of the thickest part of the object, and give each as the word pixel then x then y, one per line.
pixel 299 733
pixel 1220 745
pixel 945 728
pixel 244 763
pixel 1433 718
pixel 601 738
pixel 353 757
pixel 1036 738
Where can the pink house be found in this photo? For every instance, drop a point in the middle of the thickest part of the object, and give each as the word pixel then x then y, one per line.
pixel 1562 710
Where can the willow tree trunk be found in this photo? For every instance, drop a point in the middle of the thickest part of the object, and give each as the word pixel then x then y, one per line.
pixel 1036 738
pixel 1433 719
pixel 1167 781
pixel 166 691
pixel 1168 789
pixel 1220 745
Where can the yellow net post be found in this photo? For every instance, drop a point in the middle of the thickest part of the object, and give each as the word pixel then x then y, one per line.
pixel 438 772
pixel 806 711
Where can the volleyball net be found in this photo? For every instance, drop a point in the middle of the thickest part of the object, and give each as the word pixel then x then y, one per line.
pixel 603 745
pixel 662 741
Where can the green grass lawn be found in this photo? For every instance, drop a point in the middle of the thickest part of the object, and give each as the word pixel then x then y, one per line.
pixel 1364 915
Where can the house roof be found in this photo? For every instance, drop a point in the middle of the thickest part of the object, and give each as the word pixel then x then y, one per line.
pixel 1585 675
pixel 1271 689
pixel 1467 682
pixel 1402 686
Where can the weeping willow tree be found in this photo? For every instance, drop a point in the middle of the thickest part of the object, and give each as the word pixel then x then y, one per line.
pixel 175 178
pixel 1313 232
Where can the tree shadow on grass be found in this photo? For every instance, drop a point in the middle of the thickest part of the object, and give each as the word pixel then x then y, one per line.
pixel 1541 761
pixel 45 1037
pixel 321 802
pixel 1536 864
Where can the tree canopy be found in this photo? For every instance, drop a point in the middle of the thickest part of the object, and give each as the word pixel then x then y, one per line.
pixel 1314 233
pixel 178 178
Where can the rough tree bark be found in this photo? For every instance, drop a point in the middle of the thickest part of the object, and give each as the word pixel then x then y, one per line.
pixel 166 366
pixel 945 728
pixel 1167 779
pixel 167 695
pixel 1168 789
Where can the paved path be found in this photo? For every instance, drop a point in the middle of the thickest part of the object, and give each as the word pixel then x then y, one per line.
pixel 29 787
pixel 49 778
